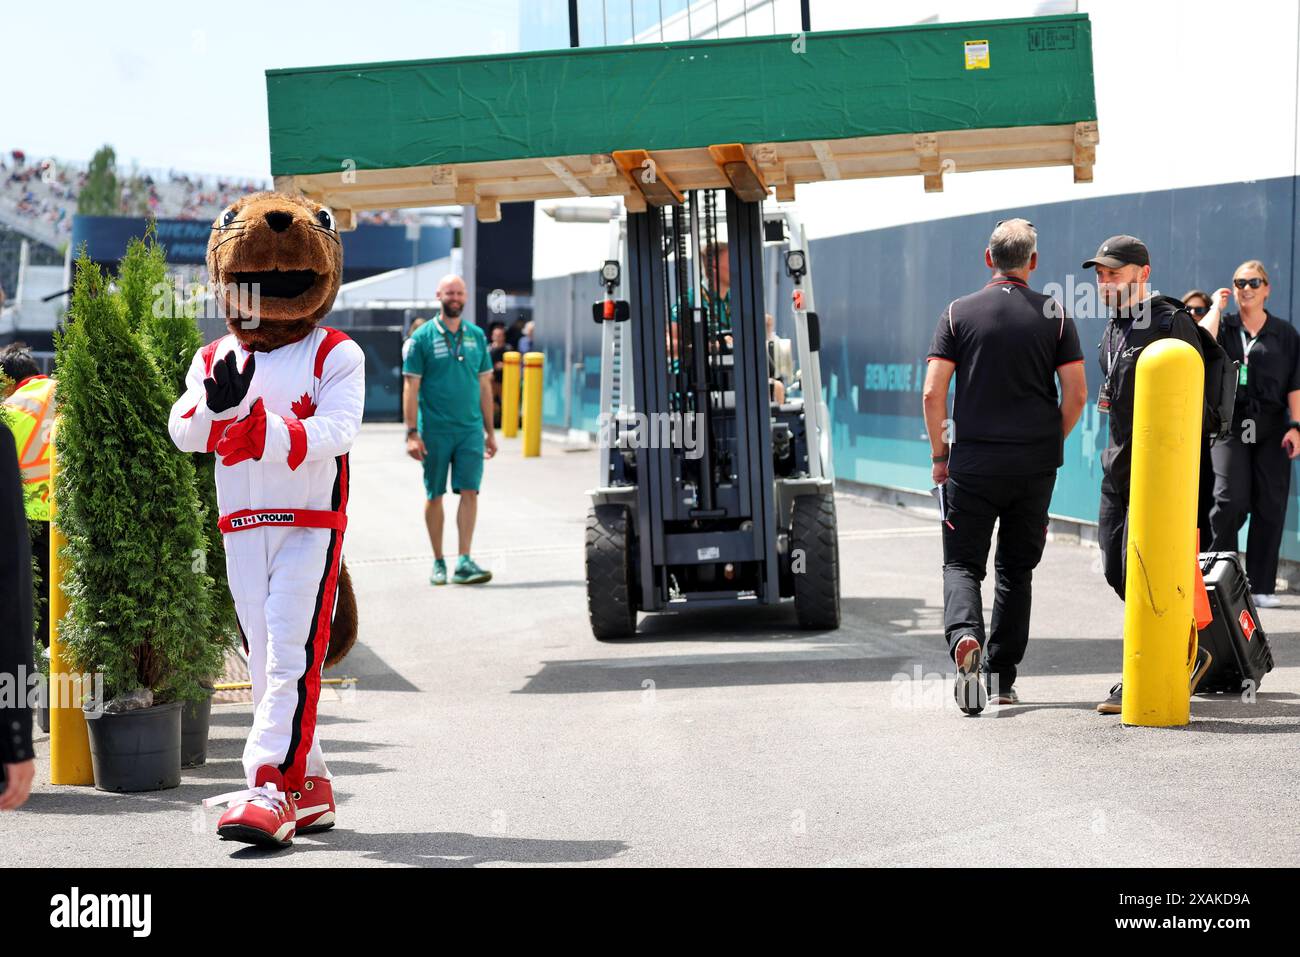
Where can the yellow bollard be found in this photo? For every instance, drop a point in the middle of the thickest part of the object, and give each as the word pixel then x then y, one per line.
pixel 533 403
pixel 510 394
pixel 1159 618
pixel 69 740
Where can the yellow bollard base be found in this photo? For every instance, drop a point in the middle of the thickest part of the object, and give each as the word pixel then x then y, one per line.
pixel 1155 722
pixel 70 748
pixel 532 411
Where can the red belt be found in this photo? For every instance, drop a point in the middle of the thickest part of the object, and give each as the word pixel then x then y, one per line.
pixel 296 517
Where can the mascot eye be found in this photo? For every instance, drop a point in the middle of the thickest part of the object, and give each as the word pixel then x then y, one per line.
pixel 228 217
pixel 325 218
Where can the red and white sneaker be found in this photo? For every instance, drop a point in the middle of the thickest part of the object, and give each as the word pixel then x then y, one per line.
pixel 315 803
pixel 263 814
pixel 969 688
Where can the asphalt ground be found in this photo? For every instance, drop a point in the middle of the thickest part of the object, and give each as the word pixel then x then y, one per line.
pixel 488 727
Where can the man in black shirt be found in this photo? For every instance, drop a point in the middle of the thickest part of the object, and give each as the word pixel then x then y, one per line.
pixel 996 458
pixel 1140 318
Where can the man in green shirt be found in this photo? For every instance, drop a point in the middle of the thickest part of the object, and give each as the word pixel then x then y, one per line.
pixel 447 405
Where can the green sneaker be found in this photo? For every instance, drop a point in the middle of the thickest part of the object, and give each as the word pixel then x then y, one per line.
pixel 468 573
pixel 439 576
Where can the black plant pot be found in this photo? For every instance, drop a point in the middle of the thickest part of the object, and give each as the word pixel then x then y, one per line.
pixel 195 718
pixel 137 750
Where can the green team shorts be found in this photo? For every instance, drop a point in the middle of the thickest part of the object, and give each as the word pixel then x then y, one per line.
pixel 461 452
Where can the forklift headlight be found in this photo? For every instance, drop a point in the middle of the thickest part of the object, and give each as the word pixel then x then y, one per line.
pixel 796 263
pixel 609 273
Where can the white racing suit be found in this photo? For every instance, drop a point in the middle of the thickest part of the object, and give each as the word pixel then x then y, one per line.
pixel 283 516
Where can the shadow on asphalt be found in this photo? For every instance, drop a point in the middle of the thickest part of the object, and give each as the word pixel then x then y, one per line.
pixel 779 623
pixel 1222 714
pixel 880 639
pixel 371 671
pixel 233 748
pixel 498 585
pixel 86 800
pixel 205 781
pixel 416 849
pixel 223 771
pixel 710 671
pixel 1016 710
pixel 1236 727
pixel 223 716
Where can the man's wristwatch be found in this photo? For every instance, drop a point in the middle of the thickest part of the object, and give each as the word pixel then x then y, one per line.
pixel 1292 425
pixel 936 459
pixel 412 432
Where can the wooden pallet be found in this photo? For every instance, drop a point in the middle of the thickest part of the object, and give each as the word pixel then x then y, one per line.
pixel 659 178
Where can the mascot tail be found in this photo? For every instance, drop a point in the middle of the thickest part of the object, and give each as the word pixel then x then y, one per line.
pixel 343 632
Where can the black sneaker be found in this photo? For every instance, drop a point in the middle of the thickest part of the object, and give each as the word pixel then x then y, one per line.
pixel 969 690
pixel 1114 704
pixel 1005 697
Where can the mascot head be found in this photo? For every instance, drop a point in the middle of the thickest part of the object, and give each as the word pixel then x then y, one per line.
pixel 275 262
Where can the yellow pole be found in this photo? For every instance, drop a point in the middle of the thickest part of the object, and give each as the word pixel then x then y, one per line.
pixel 69 740
pixel 533 403
pixel 1159 618
pixel 510 394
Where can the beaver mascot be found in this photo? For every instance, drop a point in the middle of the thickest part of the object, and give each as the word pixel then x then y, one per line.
pixel 279 400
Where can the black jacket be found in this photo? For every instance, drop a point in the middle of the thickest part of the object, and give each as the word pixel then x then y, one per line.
pixel 1274 373
pixel 1122 344
pixel 15 606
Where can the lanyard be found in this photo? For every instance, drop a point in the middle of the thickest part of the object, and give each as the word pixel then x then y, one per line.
pixel 1113 357
pixel 1246 345
pixel 460 341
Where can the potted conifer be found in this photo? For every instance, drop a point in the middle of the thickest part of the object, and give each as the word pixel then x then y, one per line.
pixel 138 613
pixel 170 336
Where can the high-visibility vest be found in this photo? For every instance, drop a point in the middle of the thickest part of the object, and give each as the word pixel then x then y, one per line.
pixel 31 416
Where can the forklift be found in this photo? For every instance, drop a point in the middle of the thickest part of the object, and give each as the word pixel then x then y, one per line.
pixel 712 492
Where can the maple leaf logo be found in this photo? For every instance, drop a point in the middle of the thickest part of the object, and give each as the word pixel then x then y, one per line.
pixel 304 408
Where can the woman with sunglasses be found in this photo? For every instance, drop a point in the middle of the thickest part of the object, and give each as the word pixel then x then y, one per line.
pixel 1197 303
pixel 1252 468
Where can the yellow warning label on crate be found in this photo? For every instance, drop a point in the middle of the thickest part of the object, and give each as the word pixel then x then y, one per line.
pixel 977 54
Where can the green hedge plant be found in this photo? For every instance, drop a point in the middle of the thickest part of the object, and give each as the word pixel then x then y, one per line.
pixel 139 604
pixel 170 336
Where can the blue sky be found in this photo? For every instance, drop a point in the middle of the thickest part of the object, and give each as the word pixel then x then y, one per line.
pixel 180 84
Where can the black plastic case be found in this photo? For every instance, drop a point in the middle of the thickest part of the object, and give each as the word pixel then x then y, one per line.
pixel 1235 637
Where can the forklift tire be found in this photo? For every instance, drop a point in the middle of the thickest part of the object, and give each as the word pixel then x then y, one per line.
pixel 609 573
pixel 815 562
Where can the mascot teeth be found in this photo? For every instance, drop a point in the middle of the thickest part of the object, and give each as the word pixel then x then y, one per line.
pixel 278 284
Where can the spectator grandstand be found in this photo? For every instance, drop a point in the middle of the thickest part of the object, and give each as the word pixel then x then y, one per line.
pixel 41 195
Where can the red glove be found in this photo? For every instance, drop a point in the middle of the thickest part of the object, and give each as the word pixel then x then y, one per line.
pixel 244 439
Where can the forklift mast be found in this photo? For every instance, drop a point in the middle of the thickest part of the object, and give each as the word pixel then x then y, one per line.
pixel 706 525
pixel 714 491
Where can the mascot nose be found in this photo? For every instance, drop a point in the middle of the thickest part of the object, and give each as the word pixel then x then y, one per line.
pixel 279 222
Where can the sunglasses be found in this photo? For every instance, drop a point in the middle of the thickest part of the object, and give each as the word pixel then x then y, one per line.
pixel 1027 223
pixel 1197 310
pixel 1254 283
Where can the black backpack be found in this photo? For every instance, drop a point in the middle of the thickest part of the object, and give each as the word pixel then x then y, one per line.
pixel 1220 380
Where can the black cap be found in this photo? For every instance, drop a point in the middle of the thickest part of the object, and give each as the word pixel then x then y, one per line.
pixel 1120 251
